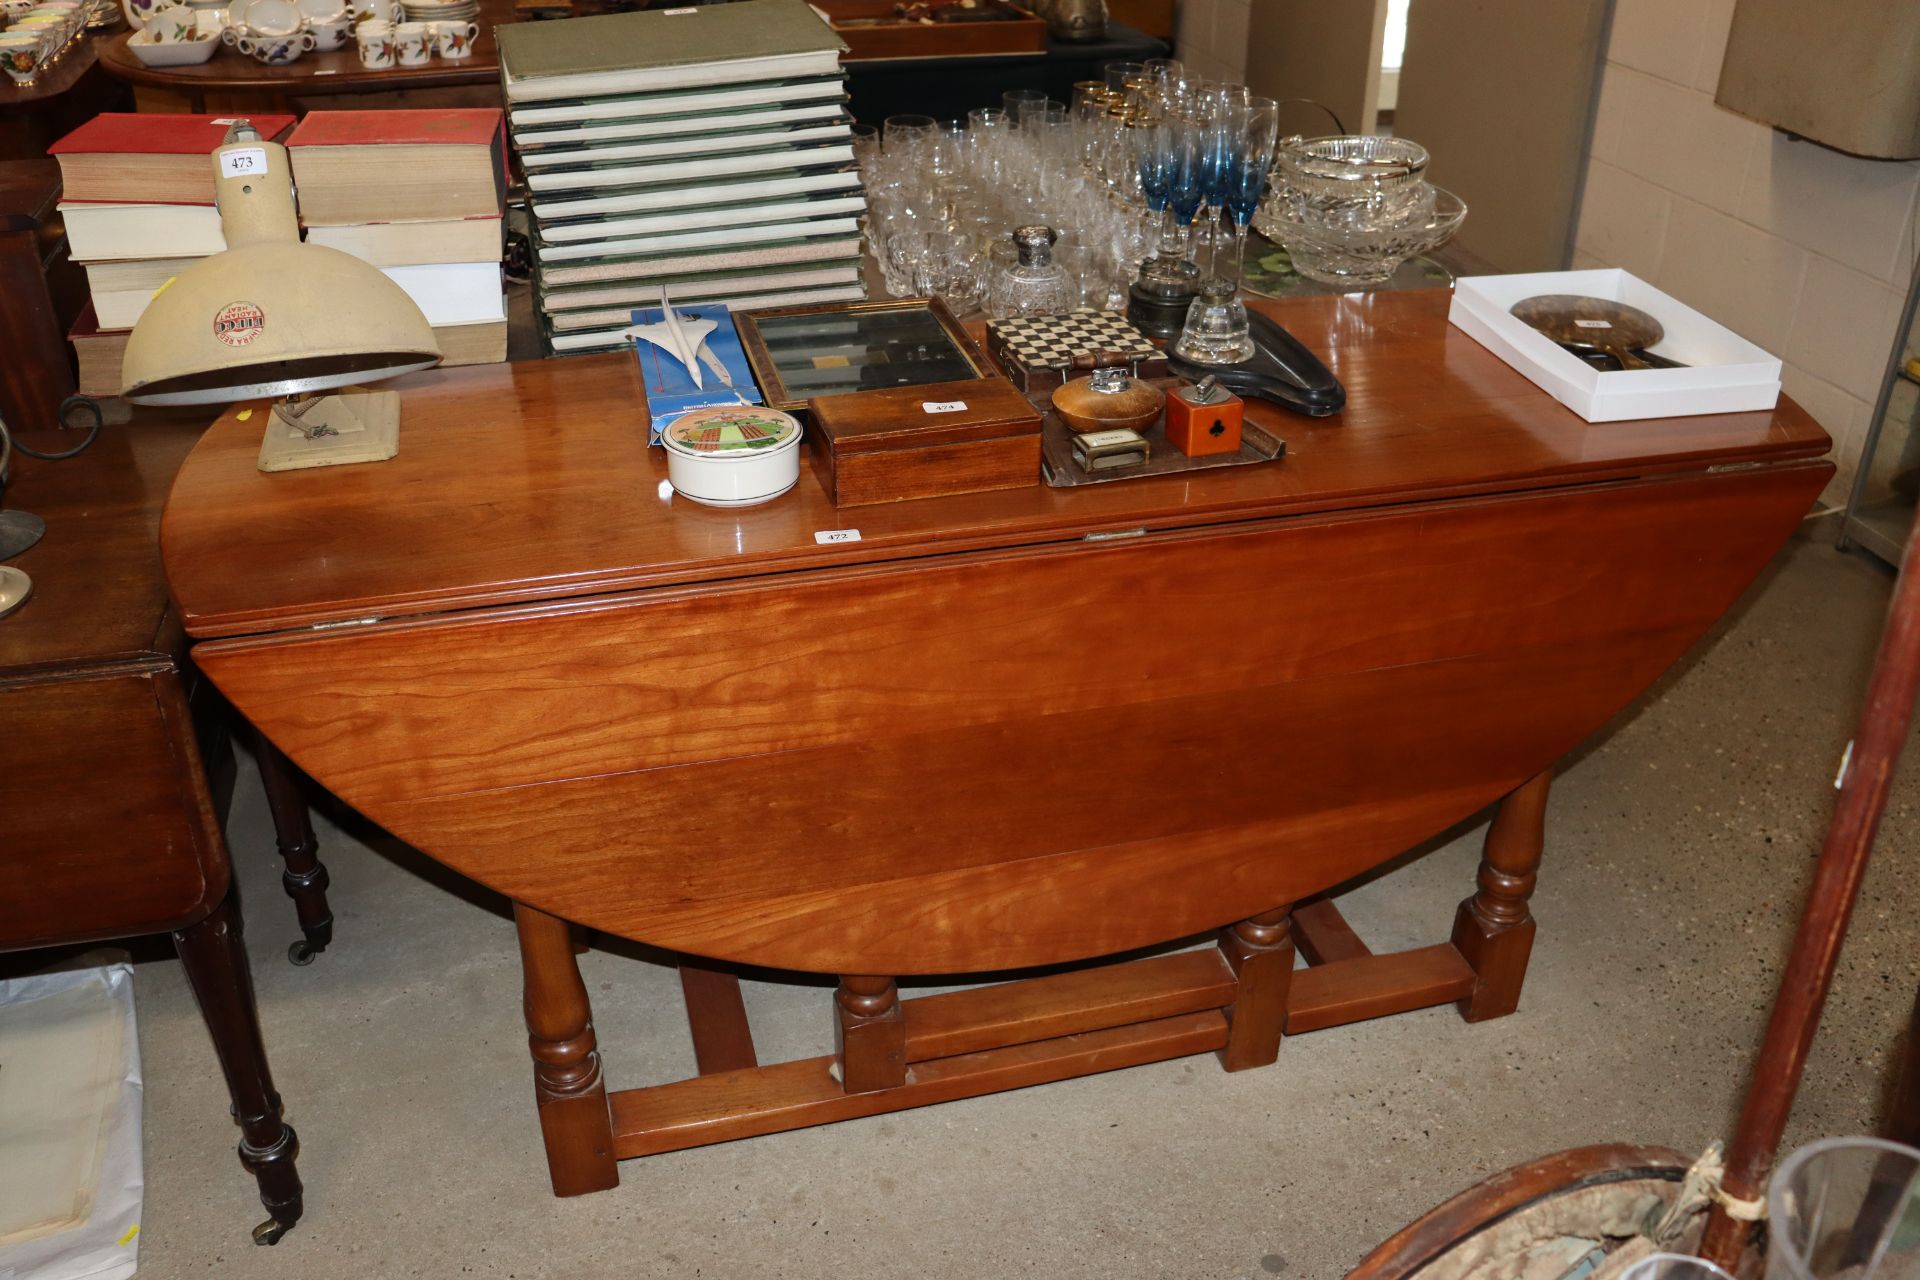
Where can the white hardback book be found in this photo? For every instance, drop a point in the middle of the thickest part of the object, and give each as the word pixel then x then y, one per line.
pixel 136 273
pixel 529 140
pixel 453 292
pixel 692 241
pixel 572 234
pixel 643 294
pixel 120 308
pixel 777 158
pixel 703 145
pixel 657 199
pixel 605 328
pixel 407 244
pixel 700 105
pixel 97 232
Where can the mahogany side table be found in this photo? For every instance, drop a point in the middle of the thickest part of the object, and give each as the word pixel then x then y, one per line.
pixel 109 821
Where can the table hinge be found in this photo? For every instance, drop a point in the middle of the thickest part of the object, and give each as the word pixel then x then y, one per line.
pixel 1719 467
pixel 367 621
pixel 1141 532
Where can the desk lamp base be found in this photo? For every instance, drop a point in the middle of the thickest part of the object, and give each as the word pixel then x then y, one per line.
pixel 332 430
pixel 18 531
pixel 15 587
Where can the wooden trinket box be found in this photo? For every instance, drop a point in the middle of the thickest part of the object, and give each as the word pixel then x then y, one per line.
pixel 875 30
pixel 1037 352
pixel 924 442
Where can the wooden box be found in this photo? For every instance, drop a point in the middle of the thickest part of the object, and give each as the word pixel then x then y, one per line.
pixel 873 32
pixel 924 442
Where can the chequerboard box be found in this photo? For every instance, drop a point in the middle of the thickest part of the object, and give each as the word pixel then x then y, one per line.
pixel 1037 352
pixel 1725 373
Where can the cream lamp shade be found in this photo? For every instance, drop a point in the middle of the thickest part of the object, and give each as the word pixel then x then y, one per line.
pixel 270 316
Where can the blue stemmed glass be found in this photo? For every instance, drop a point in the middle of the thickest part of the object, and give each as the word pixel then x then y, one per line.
pixel 1186 191
pixel 1255 127
pixel 1221 107
pixel 1154 143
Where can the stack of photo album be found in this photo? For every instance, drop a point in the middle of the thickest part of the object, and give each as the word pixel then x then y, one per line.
pixel 705 151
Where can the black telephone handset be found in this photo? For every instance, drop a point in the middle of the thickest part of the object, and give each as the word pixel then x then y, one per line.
pixel 1281 371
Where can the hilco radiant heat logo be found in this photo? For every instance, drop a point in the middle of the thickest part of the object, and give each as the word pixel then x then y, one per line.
pixel 238 323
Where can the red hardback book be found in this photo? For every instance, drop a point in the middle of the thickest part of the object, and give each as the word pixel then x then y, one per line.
pixel 129 158
pixel 399 166
pixel 139 133
pixel 475 126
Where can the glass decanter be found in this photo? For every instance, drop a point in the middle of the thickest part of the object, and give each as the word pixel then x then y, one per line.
pixel 1035 285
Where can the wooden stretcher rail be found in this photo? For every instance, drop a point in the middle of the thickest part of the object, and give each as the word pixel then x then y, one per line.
pixel 795 1095
pixel 1331 995
pixel 1066 1004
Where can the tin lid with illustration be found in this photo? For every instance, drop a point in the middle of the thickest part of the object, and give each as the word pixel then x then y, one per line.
pixel 733 432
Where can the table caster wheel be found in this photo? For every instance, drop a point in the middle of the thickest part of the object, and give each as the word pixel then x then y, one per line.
pixel 270 1231
pixel 303 953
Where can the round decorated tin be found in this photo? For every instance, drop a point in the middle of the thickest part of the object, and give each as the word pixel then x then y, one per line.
pixel 732 455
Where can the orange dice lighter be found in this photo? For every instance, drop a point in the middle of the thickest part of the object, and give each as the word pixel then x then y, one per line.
pixel 1204 418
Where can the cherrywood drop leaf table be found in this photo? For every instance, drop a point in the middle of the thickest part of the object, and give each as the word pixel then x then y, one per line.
pixel 997 731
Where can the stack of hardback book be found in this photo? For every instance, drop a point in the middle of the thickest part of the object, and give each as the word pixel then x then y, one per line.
pixel 702 153
pixel 419 194
pixel 137 200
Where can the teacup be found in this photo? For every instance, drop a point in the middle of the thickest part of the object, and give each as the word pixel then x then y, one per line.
pixel 413 43
pixel 334 33
pixel 21 55
pixel 376 44
pixel 454 39
pixel 275 51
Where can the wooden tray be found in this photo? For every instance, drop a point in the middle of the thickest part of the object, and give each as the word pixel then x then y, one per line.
pixel 1059 470
pixel 1018 32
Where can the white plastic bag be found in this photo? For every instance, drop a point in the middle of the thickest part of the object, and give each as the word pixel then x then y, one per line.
pixel 70 1095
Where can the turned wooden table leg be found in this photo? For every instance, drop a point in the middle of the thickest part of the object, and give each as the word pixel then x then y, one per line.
pixel 1494 929
pixel 567 1084
pixel 304 876
pixel 216 965
pixel 870 1034
pixel 1260 952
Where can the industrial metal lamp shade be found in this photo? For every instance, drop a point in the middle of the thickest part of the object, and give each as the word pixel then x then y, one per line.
pixel 270 316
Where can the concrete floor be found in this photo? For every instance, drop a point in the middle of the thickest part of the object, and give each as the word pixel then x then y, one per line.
pixel 1679 846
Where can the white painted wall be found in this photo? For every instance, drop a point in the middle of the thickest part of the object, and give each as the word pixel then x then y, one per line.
pixel 1210 37
pixel 1803 250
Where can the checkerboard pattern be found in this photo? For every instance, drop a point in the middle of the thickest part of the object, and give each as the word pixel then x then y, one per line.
pixel 1051 342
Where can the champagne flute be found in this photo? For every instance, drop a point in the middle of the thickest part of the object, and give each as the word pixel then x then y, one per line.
pixel 1152 139
pixel 1219 122
pixel 1255 132
pixel 1185 188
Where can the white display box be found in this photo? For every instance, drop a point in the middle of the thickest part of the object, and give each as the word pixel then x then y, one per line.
pixel 1725 373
